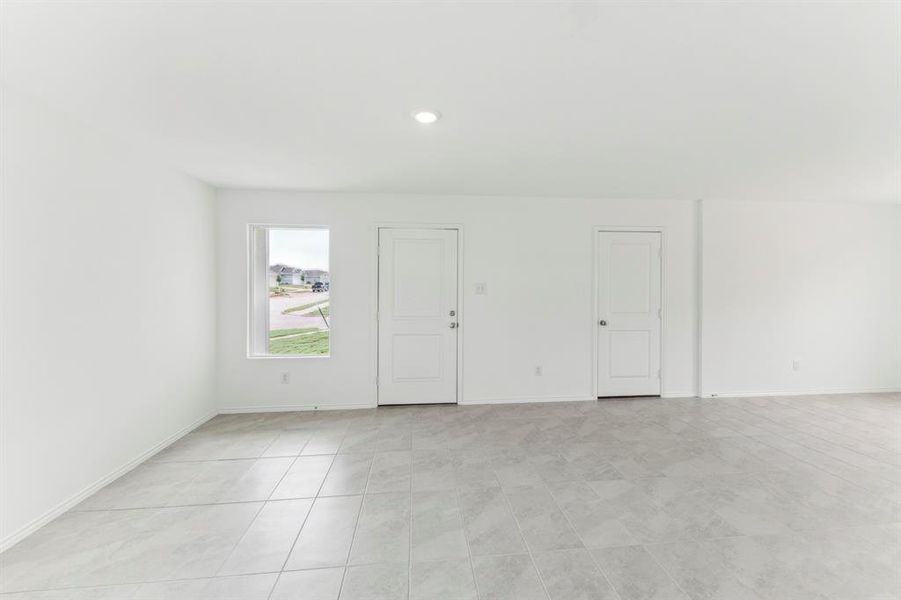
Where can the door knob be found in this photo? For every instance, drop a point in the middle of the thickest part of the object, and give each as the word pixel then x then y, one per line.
pixel 453 325
pixel 603 323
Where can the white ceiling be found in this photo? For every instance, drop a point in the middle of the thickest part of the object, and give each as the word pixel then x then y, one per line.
pixel 795 100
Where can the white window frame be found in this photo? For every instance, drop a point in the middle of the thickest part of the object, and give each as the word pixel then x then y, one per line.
pixel 258 292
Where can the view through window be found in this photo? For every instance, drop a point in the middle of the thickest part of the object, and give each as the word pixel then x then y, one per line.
pixel 299 290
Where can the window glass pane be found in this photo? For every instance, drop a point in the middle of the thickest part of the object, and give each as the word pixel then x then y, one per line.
pixel 299 289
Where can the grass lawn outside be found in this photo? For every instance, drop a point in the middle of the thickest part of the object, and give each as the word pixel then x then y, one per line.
pixel 302 307
pixel 310 344
pixel 288 290
pixel 277 333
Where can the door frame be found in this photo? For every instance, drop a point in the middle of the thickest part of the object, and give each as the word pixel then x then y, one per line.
pixel 595 296
pixel 374 304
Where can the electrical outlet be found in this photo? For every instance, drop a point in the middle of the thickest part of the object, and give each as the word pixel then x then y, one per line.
pixel 796 365
pixel 286 378
pixel 538 371
pixel 481 289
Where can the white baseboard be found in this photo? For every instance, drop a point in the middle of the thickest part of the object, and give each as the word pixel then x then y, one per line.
pixel 678 395
pixel 823 392
pixel 29 528
pixel 527 400
pixel 239 410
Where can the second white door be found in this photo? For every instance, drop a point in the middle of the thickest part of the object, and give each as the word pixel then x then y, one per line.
pixel 417 316
pixel 629 313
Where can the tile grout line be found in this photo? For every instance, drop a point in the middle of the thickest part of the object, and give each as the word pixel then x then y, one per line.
pixel 808 462
pixel 356 518
pixel 841 427
pixel 227 503
pixel 304 522
pixel 525 541
pixel 643 546
pixel 274 488
pixel 353 537
pixel 666 572
pixel 766 418
pixel 584 545
pixel 829 413
pixel 251 522
pixel 410 534
pixel 472 568
pixel 777 434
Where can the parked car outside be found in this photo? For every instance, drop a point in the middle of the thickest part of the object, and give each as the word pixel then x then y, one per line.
pixel 319 287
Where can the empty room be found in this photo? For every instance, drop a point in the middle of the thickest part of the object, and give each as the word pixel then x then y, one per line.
pixel 432 300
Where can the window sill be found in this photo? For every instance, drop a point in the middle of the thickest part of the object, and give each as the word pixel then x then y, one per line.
pixel 287 356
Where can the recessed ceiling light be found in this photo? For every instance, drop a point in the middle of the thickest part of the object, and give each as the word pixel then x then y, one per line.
pixel 426 116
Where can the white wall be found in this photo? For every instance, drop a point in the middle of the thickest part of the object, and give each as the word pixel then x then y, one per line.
pixel 508 243
pixel 817 283
pixel 108 310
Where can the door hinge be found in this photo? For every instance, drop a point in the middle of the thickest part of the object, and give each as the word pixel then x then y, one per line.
pixel 659 313
pixel 658 373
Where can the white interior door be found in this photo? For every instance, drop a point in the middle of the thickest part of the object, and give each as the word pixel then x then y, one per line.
pixel 629 314
pixel 418 316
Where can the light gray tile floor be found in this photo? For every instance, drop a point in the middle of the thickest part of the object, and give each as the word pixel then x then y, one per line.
pixel 754 498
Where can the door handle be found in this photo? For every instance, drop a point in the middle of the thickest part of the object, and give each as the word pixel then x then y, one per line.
pixel 453 326
pixel 602 323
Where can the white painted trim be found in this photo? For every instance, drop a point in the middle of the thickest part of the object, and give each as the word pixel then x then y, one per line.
pixel 241 410
pixel 594 308
pixel 374 302
pixel 35 524
pixel 678 395
pixel 527 400
pixel 821 392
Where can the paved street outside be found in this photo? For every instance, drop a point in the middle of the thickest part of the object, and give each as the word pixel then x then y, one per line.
pixel 297 320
